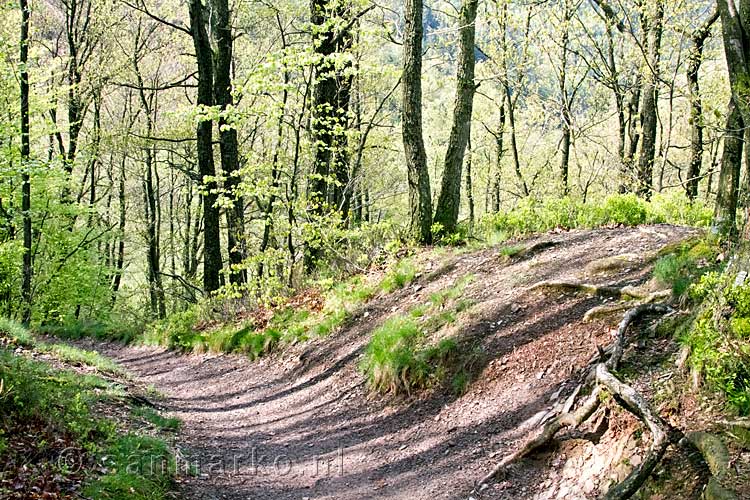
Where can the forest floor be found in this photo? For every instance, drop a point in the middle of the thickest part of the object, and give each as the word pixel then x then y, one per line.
pixel 302 423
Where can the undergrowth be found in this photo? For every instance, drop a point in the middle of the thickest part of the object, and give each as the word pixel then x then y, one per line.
pixel 686 263
pixel 532 216
pixel 48 429
pixel 400 357
pixel 719 337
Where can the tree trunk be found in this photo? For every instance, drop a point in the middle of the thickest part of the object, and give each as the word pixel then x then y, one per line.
pixel 514 142
pixel 204 136
pixel 449 202
pixel 275 167
pixel 420 197
pixel 736 33
pixel 566 116
pixel 229 149
pixel 696 106
pixel 469 187
pixel 499 151
pixel 729 176
pixel 25 163
pixel 120 259
pixel 330 107
pixel 649 121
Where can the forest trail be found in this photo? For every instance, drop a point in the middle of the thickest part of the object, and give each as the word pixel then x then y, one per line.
pixel 301 423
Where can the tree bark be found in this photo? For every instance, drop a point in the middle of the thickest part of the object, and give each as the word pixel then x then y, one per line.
pixel 330 107
pixel 204 136
pixel 566 116
pixel 420 197
pixel 228 146
pixel 25 163
pixel 735 22
pixel 649 104
pixel 449 202
pixel 729 177
pixel 469 187
pixel 499 151
pixel 696 106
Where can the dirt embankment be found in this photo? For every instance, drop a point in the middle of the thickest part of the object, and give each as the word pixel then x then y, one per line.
pixel 302 424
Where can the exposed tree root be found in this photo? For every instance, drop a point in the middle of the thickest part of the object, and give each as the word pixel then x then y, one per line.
pixel 607 309
pixel 532 250
pixel 608 291
pixel 546 433
pixel 634 403
pixel 603 380
pixel 633 314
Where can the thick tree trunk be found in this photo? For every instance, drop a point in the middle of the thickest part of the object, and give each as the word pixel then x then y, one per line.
pixel 735 22
pixel 25 164
pixel 729 177
pixel 449 202
pixel 229 149
pixel 649 121
pixel 420 197
pixel 330 107
pixel 696 106
pixel 204 135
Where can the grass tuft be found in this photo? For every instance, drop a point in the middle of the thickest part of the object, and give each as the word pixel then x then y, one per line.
pixel 399 359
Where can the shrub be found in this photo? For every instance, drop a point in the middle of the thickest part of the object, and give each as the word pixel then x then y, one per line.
pixel 719 343
pixel 534 216
pixel 686 265
pixel 399 276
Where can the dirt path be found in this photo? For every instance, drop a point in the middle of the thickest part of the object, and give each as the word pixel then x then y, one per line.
pixel 302 425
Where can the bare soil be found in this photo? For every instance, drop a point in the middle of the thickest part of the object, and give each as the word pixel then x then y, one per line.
pixel 303 424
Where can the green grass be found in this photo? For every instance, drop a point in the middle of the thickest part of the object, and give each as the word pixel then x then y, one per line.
pixel 511 251
pixel 533 216
pixel 56 407
pixel 720 343
pixel 288 325
pixel 399 358
pixel 399 276
pixel 139 467
pixel 110 330
pixel 686 265
pixel 19 335
pixel 156 419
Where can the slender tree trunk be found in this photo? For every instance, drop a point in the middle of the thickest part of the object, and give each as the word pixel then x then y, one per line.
pixel 514 143
pixel 469 187
pixel 120 260
pixel 204 135
pixel 696 106
pixel 566 117
pixel 649 121
pixel 499 151
pixel 449 202
pixel 729 176
pixel 229 149
pixel 565 149
pixel 275 167
pixel 420 197
pixel 25 163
